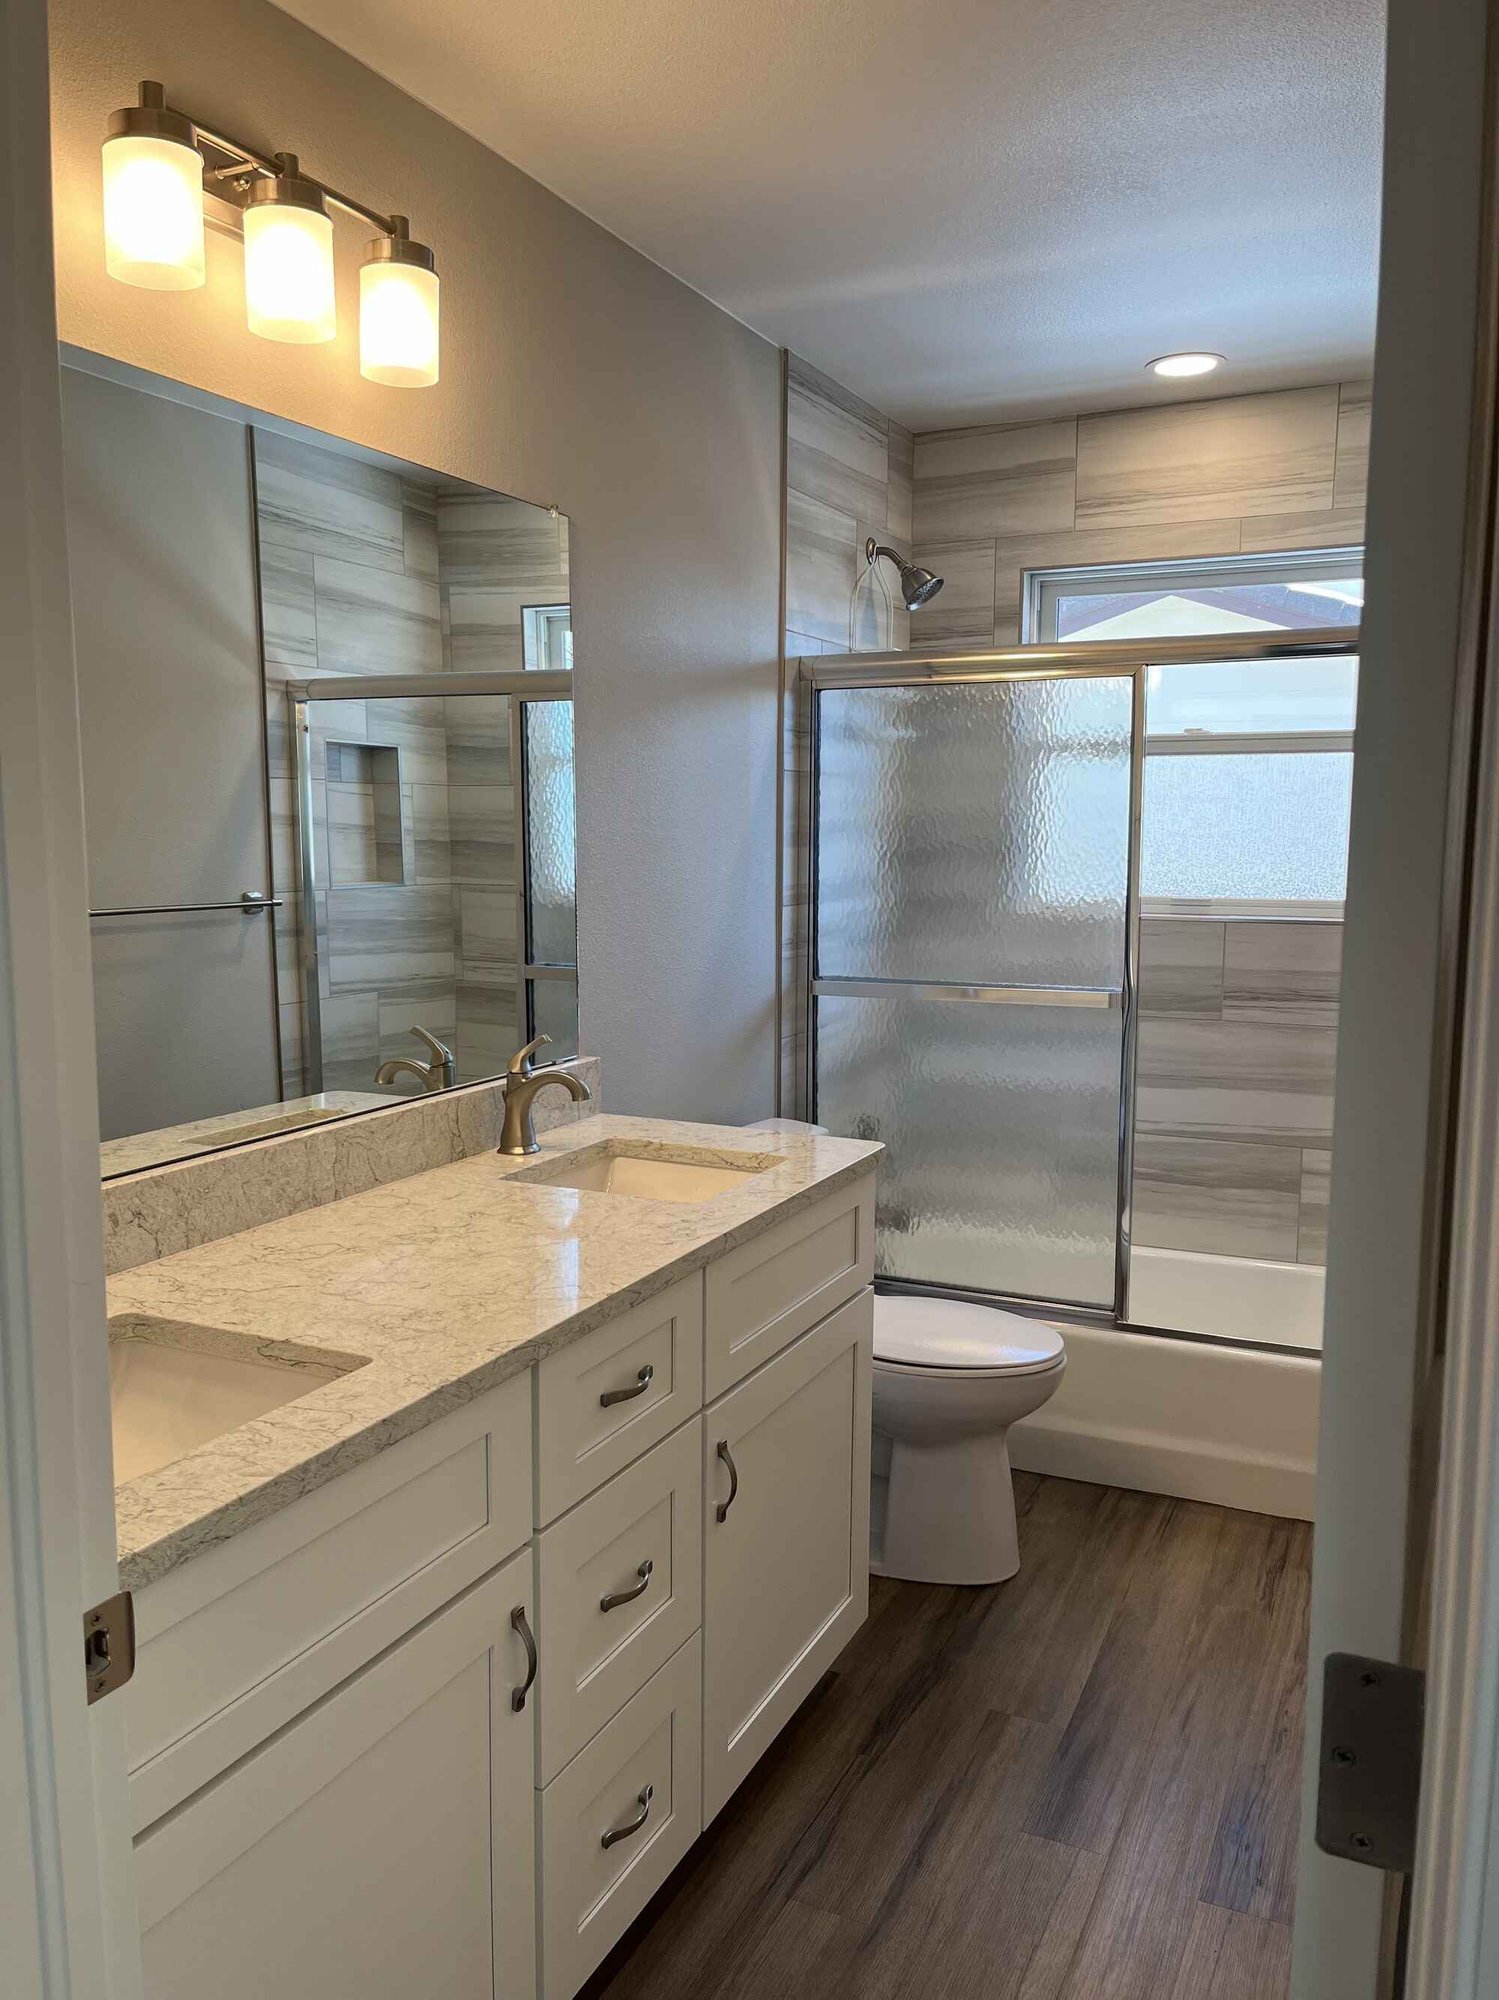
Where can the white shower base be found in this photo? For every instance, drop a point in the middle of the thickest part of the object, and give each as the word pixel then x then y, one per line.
pixel 1231 1298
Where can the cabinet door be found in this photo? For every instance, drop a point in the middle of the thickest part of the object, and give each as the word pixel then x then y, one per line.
pixel 380 1847
pixel 786 1570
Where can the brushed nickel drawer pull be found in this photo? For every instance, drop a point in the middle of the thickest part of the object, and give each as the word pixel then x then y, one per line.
pixel 643 1800
pixel 618 1597
pixel 518 1695
pixel 643 1381
pixel 727 1456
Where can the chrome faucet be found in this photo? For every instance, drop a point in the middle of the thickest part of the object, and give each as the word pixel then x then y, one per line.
pixel 522 1081
pixel 439 1074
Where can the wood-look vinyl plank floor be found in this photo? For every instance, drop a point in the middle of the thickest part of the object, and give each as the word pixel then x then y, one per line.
pixel 1079 1785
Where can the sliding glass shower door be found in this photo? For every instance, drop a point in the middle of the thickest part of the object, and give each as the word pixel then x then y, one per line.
pixel 970 925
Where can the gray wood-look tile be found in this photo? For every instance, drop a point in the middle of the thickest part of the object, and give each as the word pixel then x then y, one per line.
pixel 1316 1186
pixel 835 444
pixel 375 622
pixel 427 818
pixel 288 614
pixel 1351 481
pixel 1007 479
pixel 481 823
pixel 1181 966
pixel 820 545
pixel 487 539
pixel 419 518
pixel 1283 972
pixel 487 937
pixel 321 502
pixel 1223 1196
pixel 1263 454
pixel 1327 528
pixel 962 612
pixel 350 1028
pixel 900 477
pixel 1235 1079
pixel 386 938
pixel 1016 554
pixel 399 1013
pixel 485 628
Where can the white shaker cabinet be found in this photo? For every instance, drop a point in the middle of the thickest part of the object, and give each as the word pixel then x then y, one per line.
pixel 380 1848
pixel 786 1538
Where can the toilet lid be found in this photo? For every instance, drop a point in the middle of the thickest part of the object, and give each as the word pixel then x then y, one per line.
pixel 951 1333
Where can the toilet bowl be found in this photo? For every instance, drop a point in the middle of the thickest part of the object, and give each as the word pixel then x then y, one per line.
pixel 949 1380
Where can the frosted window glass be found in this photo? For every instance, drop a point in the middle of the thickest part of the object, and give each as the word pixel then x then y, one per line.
pixel 1002 1129
pixel 974 833
pixel 554 1012
pixel 551 837
pixel 1267 827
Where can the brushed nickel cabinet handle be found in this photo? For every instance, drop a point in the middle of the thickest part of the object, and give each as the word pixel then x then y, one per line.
pixel 618 1597
pixel 643 1800
pixel 643 1381
pixel 727 1456
pixel 518 1695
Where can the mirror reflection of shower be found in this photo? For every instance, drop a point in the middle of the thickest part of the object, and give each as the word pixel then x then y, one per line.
pixel 918 586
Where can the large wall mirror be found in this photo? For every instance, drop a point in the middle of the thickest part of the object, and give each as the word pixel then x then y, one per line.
pixel 326 707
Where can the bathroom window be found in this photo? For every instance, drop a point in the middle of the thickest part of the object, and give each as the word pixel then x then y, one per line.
pixel 547 635
pixel 1280 593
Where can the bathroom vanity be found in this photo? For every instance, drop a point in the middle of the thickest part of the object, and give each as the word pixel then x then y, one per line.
pixel 446 1660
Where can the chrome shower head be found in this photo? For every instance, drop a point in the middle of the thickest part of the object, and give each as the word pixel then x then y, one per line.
pixel 918 586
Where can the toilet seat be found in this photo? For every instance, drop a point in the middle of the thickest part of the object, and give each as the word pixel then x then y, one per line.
pixel 954 1336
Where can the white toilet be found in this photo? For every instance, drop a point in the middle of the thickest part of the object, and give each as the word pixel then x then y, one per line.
pixel 949 1380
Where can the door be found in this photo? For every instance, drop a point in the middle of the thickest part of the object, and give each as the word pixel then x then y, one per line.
pixel 66 1913
pixel 969 962
pixel 378 1848
pixel 786 1528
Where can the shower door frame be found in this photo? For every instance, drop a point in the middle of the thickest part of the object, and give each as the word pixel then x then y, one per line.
pixel 530 684
pixel 1052 660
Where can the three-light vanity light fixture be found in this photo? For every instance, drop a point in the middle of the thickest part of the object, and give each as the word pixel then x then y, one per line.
pixel 157 163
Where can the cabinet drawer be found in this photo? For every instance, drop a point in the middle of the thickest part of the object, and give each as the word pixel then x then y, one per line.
pixel 238 1641
pixel 590 1893
pixel 649 1362
pixel 382 1844
pixel 593 1659
pixel 761 1296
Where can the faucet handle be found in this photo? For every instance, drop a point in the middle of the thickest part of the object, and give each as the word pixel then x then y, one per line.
pixel 520 1062
pixel 439 1051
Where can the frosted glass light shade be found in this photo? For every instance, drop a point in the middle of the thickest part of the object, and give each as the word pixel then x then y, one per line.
pixel 289 272
pixel 398 324
pixel 153 212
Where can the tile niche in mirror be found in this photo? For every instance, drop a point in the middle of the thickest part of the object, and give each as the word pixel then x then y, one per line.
pixel 405 837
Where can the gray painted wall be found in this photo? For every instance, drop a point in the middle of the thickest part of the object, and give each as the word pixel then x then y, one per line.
pixel 574 371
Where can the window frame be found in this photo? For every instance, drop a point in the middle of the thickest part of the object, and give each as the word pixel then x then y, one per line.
pixel 1041 588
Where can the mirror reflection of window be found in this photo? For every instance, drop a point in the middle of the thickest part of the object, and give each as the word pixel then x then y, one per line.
pixel 547 633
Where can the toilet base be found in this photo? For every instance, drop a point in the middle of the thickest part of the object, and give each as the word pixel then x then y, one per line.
pixel 951 1513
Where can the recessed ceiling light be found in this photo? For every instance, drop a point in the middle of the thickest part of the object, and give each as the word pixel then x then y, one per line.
pixel 1185 364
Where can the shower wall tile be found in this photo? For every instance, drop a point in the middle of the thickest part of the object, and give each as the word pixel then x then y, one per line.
pixel 314 499
pixel 820 558
pixel 900 475
pixel 1316 1184
pixel 486 632
pixel 1266 454
pixel 481 823
pixel 836 444
pixel 375 622
pixel 488 952
pixel 398 1014
pixel 1181 966
pixel 419 526
pixel 486 540
pixel 384 937
pixel 1008 479
pixel 1235 1079
pixel 1283 972
pixel 1226 1197
pixel 962 612
pixel 1335 528
pixel 1351 477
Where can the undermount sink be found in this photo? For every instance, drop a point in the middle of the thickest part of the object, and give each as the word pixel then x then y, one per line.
pixel 173 1388
pixel 647 1175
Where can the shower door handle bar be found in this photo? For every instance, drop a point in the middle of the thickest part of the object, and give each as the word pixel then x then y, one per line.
pixel 247 905
pixel 953 989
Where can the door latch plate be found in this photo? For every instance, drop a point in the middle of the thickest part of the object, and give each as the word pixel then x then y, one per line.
pixel 109 1645
pixel 1369 1786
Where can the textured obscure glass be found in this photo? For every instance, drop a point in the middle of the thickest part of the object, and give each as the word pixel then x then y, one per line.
pixel 551 838
pixel 1002 1129
pixel 1251 697
pixel 554 1012
pixel 1262 827
pixel 974 833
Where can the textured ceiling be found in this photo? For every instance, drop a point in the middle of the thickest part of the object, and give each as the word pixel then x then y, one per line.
pixel 963 209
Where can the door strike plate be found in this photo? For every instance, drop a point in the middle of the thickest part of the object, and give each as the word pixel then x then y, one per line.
pixel 1369 1784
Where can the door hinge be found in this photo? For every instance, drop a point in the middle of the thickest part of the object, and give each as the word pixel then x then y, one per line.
pixel 109 1645
pixel 1369 1781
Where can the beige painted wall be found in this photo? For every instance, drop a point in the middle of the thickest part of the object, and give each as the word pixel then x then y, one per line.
pixel 574 371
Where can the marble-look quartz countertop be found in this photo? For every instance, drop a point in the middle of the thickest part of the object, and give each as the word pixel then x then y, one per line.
pixel 448 1282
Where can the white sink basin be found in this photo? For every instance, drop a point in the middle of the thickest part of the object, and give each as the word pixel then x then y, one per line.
pixel 646 1175
pixel 167 1398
